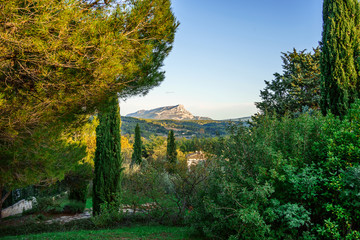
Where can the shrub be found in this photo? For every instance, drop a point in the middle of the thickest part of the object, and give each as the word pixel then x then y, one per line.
pixel 148 185
pixel 47 205
pixel 78 181
pixel 32 226
pixel 294 177
pixel 74 207
pixel 109 215
pixel 231 204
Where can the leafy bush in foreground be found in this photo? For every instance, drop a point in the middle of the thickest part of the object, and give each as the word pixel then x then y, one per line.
pixel 288 178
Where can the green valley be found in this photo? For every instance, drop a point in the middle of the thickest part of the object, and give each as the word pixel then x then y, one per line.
pixel 181 128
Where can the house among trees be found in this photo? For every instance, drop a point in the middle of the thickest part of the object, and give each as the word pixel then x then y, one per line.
pixel 195 158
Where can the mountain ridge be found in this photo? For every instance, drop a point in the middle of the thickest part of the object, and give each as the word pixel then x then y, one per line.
pixel 177 112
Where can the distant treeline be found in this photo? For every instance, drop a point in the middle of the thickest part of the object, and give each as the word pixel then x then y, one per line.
pixel 187 129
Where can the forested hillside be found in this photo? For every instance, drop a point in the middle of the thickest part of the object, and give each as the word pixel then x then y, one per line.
pixel 187 129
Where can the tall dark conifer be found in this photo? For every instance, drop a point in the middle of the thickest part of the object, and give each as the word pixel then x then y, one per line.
pixel 171 153
pixel 136 156
pixel 107 156
pixel 339 57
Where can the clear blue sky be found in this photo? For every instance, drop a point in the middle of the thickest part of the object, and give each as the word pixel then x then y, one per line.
pixel 224 50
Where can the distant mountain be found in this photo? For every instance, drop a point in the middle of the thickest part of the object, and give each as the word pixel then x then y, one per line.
pixel 177 112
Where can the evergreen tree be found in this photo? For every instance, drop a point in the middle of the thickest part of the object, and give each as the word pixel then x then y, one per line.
pixel 136 156
pixel 107 155
pixel 171 153
pixel 339 56
pixel 62 60
pixel 297 87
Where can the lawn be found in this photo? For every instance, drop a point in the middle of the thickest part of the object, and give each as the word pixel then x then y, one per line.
pixel 89 203
pixel 139 232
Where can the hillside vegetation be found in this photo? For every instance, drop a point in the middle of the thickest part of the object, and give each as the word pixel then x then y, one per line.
pixel 185 128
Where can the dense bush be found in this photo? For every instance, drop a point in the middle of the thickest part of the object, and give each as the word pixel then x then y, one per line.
pixel 74 207
pixel 78 180
pixel 109 214
pixel 33 226
pixel 231 204
pixel 56 204
pixel 46 205
pixel 294 177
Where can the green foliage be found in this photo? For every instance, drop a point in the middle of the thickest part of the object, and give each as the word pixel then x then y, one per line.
pixel 56 204
pixel 341 172
pixel 148 128
pixel 109 213
pixel 187 128
pixel 74 207
pixel 209 145
pixel 46 158
pixel 285 178
pixel 33 226
pixel 293 215
pixel 134 232
pixel 153 146
pixel 137 154
pixel 171 154
pixel 186 182
pixel 62 60
pixel 106 184
pixel 89 203
pixel 339 56
pixel 231 203
pixel 47 205
pixel 55 60
pixel 147 190
pixel 78 181
pixel 288 220
pixel 151 191
pixel 297 88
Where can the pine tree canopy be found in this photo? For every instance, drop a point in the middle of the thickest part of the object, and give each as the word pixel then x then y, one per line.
pixel 62 59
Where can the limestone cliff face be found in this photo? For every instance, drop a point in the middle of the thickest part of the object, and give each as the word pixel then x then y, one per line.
pixel 177 112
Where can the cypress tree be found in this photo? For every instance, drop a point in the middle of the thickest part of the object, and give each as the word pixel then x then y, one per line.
pixel 171 153
pixel 340 51
pixel 107 155
pixel 136 156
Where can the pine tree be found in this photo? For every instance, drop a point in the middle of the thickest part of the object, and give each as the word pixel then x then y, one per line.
pixel 340 51
pixel 171 153
pixel 107 155
pixel 136 156
pixel 296 88
pixel 61 69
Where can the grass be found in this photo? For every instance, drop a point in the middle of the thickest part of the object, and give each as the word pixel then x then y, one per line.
pixel 89 203
pixel 138 232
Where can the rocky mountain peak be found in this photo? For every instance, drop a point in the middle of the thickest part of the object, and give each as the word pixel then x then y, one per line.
pixel 177 112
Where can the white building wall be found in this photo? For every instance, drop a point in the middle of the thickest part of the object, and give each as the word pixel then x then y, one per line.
pixel 18 207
